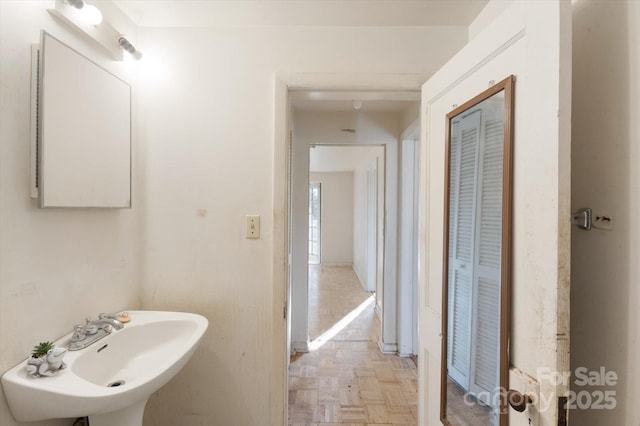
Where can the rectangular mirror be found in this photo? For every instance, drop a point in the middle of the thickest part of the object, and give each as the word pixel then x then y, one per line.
pixel 84 131
pixel 477 267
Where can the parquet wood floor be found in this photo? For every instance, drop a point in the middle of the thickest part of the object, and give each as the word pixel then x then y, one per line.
pixel 463 410
pixel 348 381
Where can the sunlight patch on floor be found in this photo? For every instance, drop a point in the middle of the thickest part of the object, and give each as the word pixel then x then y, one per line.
pixel 340 325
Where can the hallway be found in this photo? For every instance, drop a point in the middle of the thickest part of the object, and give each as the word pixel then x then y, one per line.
pixel 345 379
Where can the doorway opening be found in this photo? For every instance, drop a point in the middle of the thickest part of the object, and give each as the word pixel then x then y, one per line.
pixel 337 238
pixel 343 192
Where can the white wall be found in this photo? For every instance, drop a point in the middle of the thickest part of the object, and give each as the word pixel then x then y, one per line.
pixel 605 284
pixel 209 152
pixel 489 13
pixel 336 217
pixel 57 266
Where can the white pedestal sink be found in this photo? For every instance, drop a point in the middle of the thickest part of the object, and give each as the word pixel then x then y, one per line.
pixel 111 380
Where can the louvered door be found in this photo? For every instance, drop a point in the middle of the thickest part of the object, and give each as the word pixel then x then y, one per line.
pixel 462 215
pixel 486 281
pixel 475 236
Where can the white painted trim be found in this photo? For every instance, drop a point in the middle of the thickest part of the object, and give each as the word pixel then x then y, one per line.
pixel 378 310
pixel 388 348
pixel 279 395
pixel 371 230
pixel 407 250
pixel 300 346
pixel 358 274
pixel 35 126
pixel 416 229
pixel 377 82
pixel 336 264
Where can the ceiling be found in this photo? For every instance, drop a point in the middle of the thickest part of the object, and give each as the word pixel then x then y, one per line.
pixel 376 13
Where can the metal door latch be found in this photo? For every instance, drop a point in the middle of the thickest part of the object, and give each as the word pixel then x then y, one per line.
pixel 586 219
pixel 582 219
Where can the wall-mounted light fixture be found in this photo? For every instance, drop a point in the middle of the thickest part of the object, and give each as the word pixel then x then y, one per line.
pixel 87 18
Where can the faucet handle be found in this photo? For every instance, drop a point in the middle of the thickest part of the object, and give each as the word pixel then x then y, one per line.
pixel 79 333
pixel 89 327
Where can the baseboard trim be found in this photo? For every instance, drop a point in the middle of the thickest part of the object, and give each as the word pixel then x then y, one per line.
pixel 300 346
pixel 359 277
pixel 388 348
pixel 336 264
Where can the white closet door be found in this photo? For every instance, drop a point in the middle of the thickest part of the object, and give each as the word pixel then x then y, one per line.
pixel 465 138
pixel 486 288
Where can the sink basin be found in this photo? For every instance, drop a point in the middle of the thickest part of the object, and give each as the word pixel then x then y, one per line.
pixel 111 380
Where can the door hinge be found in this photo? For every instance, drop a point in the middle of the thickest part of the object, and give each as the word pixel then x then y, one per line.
pixel 562 411
pixel 284 311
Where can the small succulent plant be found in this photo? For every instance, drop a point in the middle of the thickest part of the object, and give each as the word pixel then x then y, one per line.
pixel 41 349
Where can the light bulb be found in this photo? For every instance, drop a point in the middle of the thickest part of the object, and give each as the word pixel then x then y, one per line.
pixel 137 55
pixel 91 14
pixel 129 48
pixel 357 104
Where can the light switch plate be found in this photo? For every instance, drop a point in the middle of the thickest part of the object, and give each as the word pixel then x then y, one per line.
pixel 253 226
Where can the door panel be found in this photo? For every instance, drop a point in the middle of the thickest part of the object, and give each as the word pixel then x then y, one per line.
pixel 531 40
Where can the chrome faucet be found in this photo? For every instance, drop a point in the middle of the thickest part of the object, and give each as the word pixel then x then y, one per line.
pixel 106 321
pixel 92 331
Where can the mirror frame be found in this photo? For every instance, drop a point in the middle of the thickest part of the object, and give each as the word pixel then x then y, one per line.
pixel 83 146
pixel 506 85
